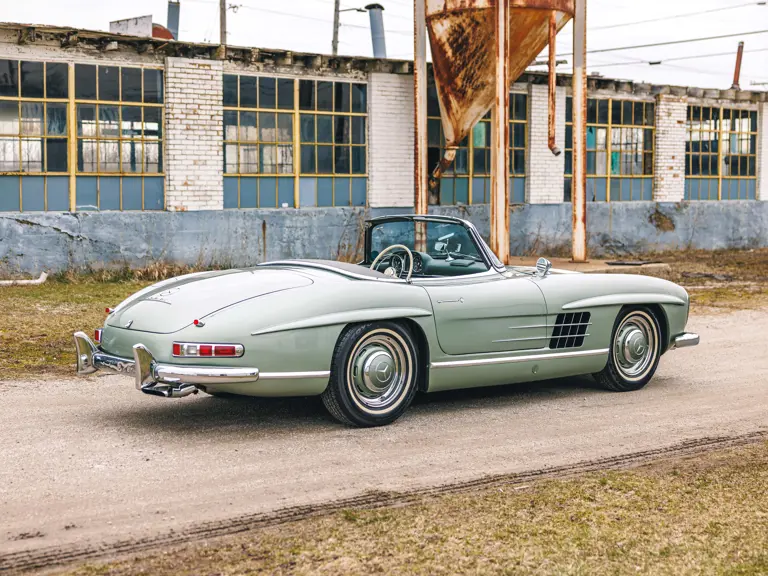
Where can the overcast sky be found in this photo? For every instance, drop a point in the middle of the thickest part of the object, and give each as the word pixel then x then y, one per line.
pixel 306 25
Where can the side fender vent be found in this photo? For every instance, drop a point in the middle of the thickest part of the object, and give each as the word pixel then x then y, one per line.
pixel 570 330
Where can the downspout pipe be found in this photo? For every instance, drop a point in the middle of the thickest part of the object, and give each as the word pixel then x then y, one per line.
pixel 552 83
pixel 375 13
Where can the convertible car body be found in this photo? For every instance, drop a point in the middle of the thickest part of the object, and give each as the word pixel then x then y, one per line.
pixel 430 308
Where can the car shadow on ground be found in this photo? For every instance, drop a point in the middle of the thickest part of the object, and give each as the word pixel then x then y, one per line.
pixel 205 414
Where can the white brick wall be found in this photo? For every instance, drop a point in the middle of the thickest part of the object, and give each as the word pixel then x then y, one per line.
pixel 669 161
pixel 194 153
pixel 543 170
pixel 762 152
pixel 391 138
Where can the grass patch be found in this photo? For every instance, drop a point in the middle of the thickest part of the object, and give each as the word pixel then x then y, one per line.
pixel 38 322
pixel 702 515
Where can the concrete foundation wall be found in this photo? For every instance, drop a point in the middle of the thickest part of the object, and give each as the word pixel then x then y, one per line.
pixel 34 242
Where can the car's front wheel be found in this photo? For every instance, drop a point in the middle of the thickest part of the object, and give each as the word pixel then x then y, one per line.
pixel 373 374
pixel 634 353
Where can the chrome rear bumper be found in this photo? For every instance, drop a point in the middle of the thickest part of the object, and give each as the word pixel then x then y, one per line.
pixel 152 377
pixel 685 340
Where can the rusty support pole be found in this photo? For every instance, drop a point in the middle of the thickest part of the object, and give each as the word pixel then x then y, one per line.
pixel 579 189
pixel 552 82
pixel 737 70
pixel 222 50
pixel 500 139
pixel 421 191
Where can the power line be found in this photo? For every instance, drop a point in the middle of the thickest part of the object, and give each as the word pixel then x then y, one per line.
pixel 676 16
pixel 676 59
pixel 671 42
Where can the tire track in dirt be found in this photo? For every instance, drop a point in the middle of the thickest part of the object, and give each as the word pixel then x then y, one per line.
pixel 57 556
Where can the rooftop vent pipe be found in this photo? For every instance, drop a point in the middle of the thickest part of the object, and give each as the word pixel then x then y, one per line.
pixel 173 18
pixel 375 11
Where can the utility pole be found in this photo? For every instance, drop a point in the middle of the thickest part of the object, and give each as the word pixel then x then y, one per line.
pixel 335 43
pixel 737 69
pixel 222 29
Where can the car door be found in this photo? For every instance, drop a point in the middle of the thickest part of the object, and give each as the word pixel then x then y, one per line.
pixel 488 313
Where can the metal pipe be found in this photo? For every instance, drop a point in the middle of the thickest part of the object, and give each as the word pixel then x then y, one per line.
pixel 552 82
pixel 222 29
pixel 579 195
pixel 375 13
pixel 173 18
pixel 420 189
pixel 500 139
pixel 737 70
pixel 43 277
pixel 335 41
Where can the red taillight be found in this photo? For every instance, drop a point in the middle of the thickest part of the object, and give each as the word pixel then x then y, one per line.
pixel 195 350
pixel 109 310
pixel 97 335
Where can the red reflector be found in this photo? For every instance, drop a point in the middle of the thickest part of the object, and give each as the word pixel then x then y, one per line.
pixel 224 351
pixel 196 322
pixel 97 335
pixel 206 350
pixel 176 349
pixel 109 310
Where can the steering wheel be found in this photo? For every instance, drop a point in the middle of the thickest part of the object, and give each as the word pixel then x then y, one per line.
pixel 387 249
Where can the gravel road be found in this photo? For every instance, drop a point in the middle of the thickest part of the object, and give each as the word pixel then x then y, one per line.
pixel 86 462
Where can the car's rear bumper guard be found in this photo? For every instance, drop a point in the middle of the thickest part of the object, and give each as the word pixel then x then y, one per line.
pixel 684 340
pixel 152 377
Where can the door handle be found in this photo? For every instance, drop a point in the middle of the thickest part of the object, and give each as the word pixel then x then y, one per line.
pixel 457 301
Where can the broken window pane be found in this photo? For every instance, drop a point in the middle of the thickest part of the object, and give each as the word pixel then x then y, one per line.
pixel 56 154
pixel 56 80
pixel 85 82
pixel 9 78
pixel 32 79
pixel 131 84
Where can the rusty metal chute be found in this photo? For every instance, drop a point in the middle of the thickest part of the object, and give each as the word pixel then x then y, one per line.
pixel 462 38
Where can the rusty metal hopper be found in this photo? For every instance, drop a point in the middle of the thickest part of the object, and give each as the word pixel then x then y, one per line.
pixel 462 37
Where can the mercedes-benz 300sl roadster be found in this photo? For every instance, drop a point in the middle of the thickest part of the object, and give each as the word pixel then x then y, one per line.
pixel 429 308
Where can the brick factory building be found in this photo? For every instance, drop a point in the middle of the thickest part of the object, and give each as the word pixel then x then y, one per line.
pixel 106 136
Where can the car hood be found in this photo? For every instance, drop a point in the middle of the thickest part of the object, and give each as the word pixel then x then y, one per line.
pixel 174 304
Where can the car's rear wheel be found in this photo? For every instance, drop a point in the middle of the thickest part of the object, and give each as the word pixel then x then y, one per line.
pixel 373 374
pixel 634 353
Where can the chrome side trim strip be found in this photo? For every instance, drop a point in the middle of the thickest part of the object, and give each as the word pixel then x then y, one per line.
pixel 515 359
pixel 542 338
pixel 292 375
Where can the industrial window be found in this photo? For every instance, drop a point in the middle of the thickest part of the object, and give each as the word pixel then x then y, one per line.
pixel 34 158
pixel 721 154
pixel 119 125
pixel 266 120
pixel 620 148
pixel 468 179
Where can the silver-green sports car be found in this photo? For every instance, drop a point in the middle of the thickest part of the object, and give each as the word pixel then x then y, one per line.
pixel 430 308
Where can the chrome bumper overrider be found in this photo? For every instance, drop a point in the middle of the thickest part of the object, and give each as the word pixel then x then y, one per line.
pixel 169 380
pixel 685 340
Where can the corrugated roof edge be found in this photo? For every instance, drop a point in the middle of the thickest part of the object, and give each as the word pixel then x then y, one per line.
pixel 70 37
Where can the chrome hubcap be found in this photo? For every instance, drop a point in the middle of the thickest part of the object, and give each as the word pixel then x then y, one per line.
pixel 635 346
pixel 380 369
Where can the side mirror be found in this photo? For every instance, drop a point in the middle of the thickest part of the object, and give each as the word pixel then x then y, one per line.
pixel 542 267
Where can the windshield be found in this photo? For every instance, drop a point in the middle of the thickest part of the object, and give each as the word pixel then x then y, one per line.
pixel 444 240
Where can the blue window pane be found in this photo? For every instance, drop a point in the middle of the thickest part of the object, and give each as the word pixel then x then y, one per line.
pixel 86 197
pixel 109 193
pixel 751 189
pixel 325 191
pixel 230 192
pixel 462 191
pixel 341 192
pixel 285 192
pixel 626 190
pixel 58 193
pixel 154 193
pixel 478 190
pixel 517 186
pixel 131 193
pixel 647 189
pixel 268 193
pixel 248 192
pixel 446 190
pixel 359 191
pixel 615 189
pixel 9 194
pixel 307 192
pixel 687 193
pixel 32 193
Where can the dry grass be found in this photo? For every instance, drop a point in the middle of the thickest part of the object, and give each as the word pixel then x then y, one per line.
pixel 705 515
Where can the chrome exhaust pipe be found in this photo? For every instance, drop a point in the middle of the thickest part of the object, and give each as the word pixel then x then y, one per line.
pixel 169 391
